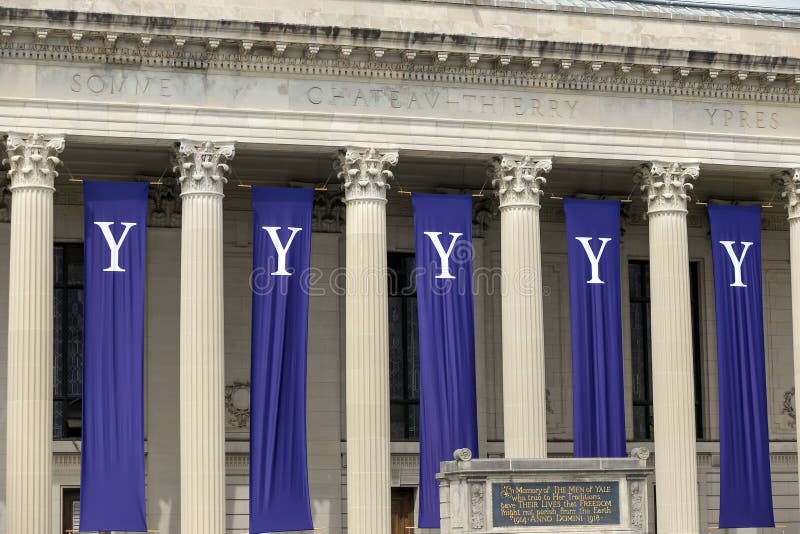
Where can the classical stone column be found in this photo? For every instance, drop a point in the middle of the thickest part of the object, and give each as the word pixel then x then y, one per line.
pixel 202 171
pixel 365 174
pixel 665 187
pixel 789 181
pixel 518 180
pixel 32 159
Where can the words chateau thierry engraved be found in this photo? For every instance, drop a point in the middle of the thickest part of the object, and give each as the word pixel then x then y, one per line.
pixel 446 99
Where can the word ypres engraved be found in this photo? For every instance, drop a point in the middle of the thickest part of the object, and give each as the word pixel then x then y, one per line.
pixel 743 119
pixel 537 504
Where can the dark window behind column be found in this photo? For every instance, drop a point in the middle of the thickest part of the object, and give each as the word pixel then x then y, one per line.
pixel 641 361
pixel 403 348
pixel 68 340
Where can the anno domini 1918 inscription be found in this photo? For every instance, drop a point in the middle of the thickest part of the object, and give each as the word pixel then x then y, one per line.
pixel 537 504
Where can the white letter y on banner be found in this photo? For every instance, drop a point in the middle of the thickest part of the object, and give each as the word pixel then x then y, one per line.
pixel 444 256
pixel 594 261
pixel 737 262
pixel 282 250
pixel 114 246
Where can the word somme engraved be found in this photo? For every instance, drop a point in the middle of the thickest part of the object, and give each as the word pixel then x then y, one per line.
pixel 542 504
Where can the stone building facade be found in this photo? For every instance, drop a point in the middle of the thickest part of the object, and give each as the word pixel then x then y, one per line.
pixel 603 98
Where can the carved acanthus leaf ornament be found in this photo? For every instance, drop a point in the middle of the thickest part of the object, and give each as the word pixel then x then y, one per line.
pixel 365 173
pixel 32 160
pixel 519 180
pixel 201 166
pixel 666 185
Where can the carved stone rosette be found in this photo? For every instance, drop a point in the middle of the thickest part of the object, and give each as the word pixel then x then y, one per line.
pixel 237 405
pixel 164 206
pixel 200 166
pixel 789 182
pixel 666 186
pixel 5 200
pixel 328 213
pixel 483 213
pixel 33 159
pixel 789 407
pixel 365 173
pixel 519 179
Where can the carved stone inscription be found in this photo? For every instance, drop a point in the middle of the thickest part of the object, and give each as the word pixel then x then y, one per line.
pixel 129 83
pixel 743 118
pixel 538 504
pixel 445 99
pixel 401 100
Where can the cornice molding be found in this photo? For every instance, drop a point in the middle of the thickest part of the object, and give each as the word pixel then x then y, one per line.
pixel 307 50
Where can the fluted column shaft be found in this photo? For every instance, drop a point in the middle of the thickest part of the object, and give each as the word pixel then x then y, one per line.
pixel 202 346
pixel 518 181
pixel 365 174
pixel 665 187
pixel 790 183
pixel 32 160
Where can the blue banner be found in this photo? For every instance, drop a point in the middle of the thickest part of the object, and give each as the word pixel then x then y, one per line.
pixel 598 392
pixel 448 409
pixel 745 481
pixel 112 442
pixel 279 499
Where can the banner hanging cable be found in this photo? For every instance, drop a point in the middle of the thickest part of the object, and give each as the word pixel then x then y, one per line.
pixel 112 442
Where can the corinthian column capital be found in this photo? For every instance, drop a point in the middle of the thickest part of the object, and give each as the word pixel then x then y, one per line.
pixel 33 159
pixel 200 166
pixel 789 182
pixel 666 185
pixel 365 173
pixel 519 179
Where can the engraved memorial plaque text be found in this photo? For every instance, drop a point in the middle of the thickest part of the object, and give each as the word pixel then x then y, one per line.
pixel 540 504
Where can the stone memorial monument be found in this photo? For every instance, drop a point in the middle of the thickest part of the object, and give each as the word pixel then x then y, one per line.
pixel 499 496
